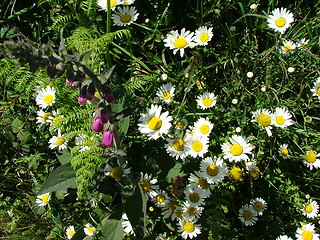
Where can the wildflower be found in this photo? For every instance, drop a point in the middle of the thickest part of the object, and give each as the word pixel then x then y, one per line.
pixel 253 6
pixel 238 129
pixel 58 141
pixel 162 237
pixel 310 209
pixel 316 88
pixel 124 16
pixel 206 100
pixel 199 179
pixel 82 140
pixel 280 19
pixel 283 151
pixel 82 100
pixel 303 42
pixel 55 118
pixel 164 76
pixel 148 186
pixel 189 228
pixel 103 4
pixel 281 118
pixel 236 174
pixel 154 123
pixel 234 101
pixel 107 139
pixel 161 198
pixel 196 145
pixel 202 36
pixel 178 42
pixel 263 118
pixel 126 225
pixel 249 74
pixel 127 2
pixel 97 125
pixel 258 205
pixel 263 88
pixel 169 208
pixel 284 237
pixel 202 127
pixel 291 69
pixel 195 195
pixel 70 232
pixel 182 124
pixel 213 169
pixel 89 229
pixel 43 117
pixel 236 149
pixel 46 97
pixel 191 211
pixel 166 92
pixel 253 169
pixel 247 215
pixel 287 47
pixel 117 172
pixel 306 232
pixel 311 159
pixel 176 147
pixel 43 199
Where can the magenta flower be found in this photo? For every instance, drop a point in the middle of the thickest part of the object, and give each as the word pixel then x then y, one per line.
pixel 107 138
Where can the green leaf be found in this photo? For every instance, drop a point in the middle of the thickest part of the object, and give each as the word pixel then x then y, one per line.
pixel 64 156
pixel 174 172
pixel 16 125
pixel 111 227
pixel 60 179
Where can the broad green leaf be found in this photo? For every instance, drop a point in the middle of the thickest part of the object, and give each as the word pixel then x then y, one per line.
pixel 174 172
pixel 111 227
pixel 60 179
pixel 64 156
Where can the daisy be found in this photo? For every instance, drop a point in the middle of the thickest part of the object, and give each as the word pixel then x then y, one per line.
pixel 280 19
pixel 263 118
pixel 287 47
pixel 281 118
pixel 177 214
pixel 206 100
pixel 311 159
pixel 166 92
pixel 46 97
pixel 154 123
pixel 191 211
pixel 182 124
pixel 176 41
pixel 306 232
pixel 58 141
pixel 283 151
pixel 316 88
pixel 284 237
pixel 161 198
pixel 194 195
pixel 303 42
pixel 258 205
pixel 82 140
pixel 103 4
pixel 189 228
pixel 214 170
pixel 162 237
pixel 89 229
pixel 202 36
pixel 126 2
pixel 117 172
pixel 124 16
pixel 248 215
pixel 43 199
pixel 196 145
pixel 169 208
pixel 236 149
pixel 203 127
pixel 43 117
pixel 70 232
pixel 253 170
pixel 148 186
pixel 176 147
pixel 55 118
pixel 201 181
pixel 236 174
pixel 310 209
pixel 126 225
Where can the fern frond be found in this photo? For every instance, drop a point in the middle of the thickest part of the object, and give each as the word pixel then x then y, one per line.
pixel 62 21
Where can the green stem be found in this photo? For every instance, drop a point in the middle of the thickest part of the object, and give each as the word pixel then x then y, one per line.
pixel 108 30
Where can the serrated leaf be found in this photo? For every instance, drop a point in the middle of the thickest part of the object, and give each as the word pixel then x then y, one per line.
pixel 60 179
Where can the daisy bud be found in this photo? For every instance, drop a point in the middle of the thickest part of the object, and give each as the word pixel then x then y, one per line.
pixel 164 76
pixel 249 74
pixel 291 69
pixel 107 138
pixel 234 101
pixel 82 100
pixel 97 125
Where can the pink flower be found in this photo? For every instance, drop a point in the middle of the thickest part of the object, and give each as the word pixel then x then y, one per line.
pixel 107 138
pixel 97 125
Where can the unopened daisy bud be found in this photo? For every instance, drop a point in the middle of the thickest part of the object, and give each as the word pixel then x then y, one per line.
pixel 253 6
pixel 97 125
pixel 291 69
pixel 263 88
pixel 307 196
pixel 164 76
pixel 151 209
pixel 107 138
pixel 238 129
pixel 232 28
pixel 234 101
pixel 187 75
pixel 147 20
pixel 82 100
pixel 308 119
pixel 249 74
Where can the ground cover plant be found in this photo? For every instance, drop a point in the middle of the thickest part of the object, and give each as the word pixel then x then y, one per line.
pixel 124 119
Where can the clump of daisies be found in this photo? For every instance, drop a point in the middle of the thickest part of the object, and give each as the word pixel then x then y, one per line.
pixel 248 213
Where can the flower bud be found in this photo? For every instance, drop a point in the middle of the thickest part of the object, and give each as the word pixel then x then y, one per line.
pixel 97 125
pixel 82 100
pixel 102 115
pixel 109 97
pixel 107 138
pixel 68 82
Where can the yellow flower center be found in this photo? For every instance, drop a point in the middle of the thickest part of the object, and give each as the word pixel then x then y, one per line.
pixel 165 95
pixel 197 146
pixel 181 124
pixel 56 119
pixel 46 116
pixel 307 235
pixel 308 208
pixel 155 123
pixel 192 210
pixel 117 173
pixel 280 120
pixel 287 48
pixel 194 197
pixel 255 173
pixel 257 206
pixel 204 37
pixel 204 129
pixel 145 185
pixel 235 174
pixel 179 213
pixel 280 22
pixel 112 3
pixel 207 102
pixel 45 198
pixel 90 229
pixel 310 157
pixel 203 183
pixel 284 152
pixel 236 149
pixel 318 91
pixel 125 18
pixel 188 227
pixel 212 170
pixel 180 43
pixel 48 99
pixel 264 120
pixel 71 232
pixel 247 215
pixel 160 198
pixel 60 141
pixel 178 144
pixel 172 206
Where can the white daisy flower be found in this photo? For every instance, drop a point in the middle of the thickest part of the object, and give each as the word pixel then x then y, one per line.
pixel 195 195
pixel 310 209
pixel 263 118
pixel 203 35
pixel 214 170
pixel 202 127
pixel 206 100
pixel 43 199
pixel 177 214
pixel 166 92
pixel 124 16
pixel 148 185
pixel 126 225
pixel 287 47
pixel 43 117
pixel 199 179
pixel 307 232
pixel 311 159
pixel 303 42
pixel 162 237
pixel 103 4
pixel 175 147
pixel 154 123
pixel 178 42
pixel 126 2
pixel 280 19
pixel 247 215
pixel 236 149
pixel 46 97
pixel 70 232
pixel 89 229
pixel 284 237
pixel 55 118
pixel 281 118
pixel 190 211
pixel 161 198
pixel 283 151
pixel 258 205
pixel 196 145
pixel 117 172
pixel 82 140
pixel 169 208
pixel 182 124
pixel 58 141
pixel 189 228
pixel 316 88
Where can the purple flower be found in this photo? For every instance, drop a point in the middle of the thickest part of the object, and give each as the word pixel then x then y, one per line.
pixel 102 115
pixel 82 100
pixel 107 138
pixel 109 97
pixel 97 125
